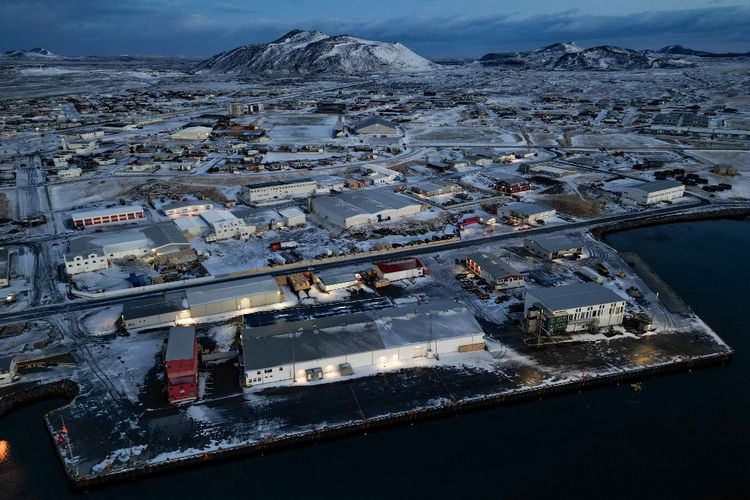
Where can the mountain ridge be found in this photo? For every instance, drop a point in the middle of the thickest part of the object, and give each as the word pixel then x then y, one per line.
pixel 310 52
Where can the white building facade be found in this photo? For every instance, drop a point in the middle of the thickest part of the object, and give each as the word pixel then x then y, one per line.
pixel 650 193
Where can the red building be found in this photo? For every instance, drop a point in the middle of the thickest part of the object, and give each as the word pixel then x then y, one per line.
pixel 402 269
pixel 181 362
pixel 107 215
pixel 508 184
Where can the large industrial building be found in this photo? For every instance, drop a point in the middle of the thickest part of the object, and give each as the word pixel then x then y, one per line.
pixel 500 274
pixel 650 193
pixel 186 207
pixel 552 247
pixel 94 252
pixel 365 207
pixel 572 308
pixel 375 126
pixel 326 347
pixel 526 212
pixel 277 190
pixel 111 215
pixel 182 307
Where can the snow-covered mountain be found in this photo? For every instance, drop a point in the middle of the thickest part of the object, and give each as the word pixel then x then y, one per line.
pixel 539 58
pixel 35 53
pixel 563 56
pixel 684 51
pixel 308 52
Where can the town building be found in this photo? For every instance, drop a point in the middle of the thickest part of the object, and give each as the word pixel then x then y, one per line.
pixel 197 133
pixel 186 207
pixel 572 308
pixel 375 126
pixel 335 279
pixel 94 252
pixel 8 369
pixel 650 193
pixel 225 225
pixel 99 216
pixel 69 173
pixel 524 213
pixel 185 307
pixel 278 190
pixel 292 217
pixel 428 189
pixel 510 183
pixel 552 247
pixel 401 269
pixel 237 109
pixel 369 206
pixel 339 345
pixel 497 272
pixel 181 364
pixel 222 298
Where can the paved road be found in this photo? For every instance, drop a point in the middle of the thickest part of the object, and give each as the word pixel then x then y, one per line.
pixel 84 304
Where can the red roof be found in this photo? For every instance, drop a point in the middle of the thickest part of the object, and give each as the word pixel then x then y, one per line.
pixel 400 265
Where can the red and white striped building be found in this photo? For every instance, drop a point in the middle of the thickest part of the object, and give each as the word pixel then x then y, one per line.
pixel 107 215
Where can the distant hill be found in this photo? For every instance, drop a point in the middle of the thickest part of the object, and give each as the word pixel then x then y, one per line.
pixel 570 56
pixel 684 51
pixel 35 53
pixel 309 52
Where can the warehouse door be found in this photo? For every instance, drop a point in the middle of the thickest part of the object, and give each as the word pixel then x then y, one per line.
pixel 418 352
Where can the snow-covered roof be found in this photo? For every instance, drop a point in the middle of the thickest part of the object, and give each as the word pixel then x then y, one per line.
pixel 307 340
pixel 656 186
pixel 554 242
pixel 574 296
pixel 371 201
pixel 217 292
pixel 99 212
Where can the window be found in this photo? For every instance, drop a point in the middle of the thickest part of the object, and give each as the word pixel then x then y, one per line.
pixel 280 368
pixel 258 372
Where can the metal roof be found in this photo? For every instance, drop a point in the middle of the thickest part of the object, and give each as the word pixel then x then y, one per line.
pixel 554 243
pixel 307 340
pixel 656 186
pixel 164 233
pixel 152 306
pixel 493 265
pixel 217 292
pixel 181 343
pixel 371 201
pixel 574 296
pixel 123 209
pixel 333 276
pixel 526 208
pixel 373 120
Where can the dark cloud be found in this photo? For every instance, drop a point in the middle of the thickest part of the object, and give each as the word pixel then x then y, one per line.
pixel 192 28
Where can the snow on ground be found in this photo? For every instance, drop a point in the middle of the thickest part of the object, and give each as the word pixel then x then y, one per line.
pixel 101 321
pixel 224 335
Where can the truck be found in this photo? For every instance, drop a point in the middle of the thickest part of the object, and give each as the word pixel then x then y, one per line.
pixel 589 274
pixel 281 245
pixel 602 269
